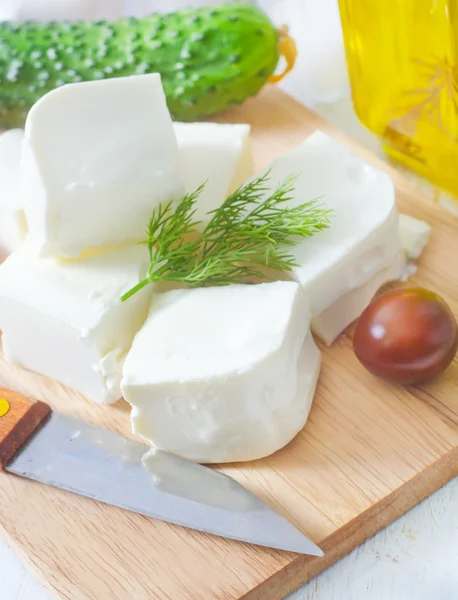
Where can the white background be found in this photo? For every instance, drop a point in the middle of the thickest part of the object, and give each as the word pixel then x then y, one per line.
pixel 416 558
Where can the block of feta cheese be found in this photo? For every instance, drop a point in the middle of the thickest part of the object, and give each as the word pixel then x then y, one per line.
pixel 98 157
pixel 342 267
pixel 219 155
pixel 66 320
pixel 13 226
pixel 223 374
pixel 414 235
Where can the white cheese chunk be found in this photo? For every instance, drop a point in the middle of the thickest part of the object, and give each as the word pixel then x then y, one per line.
pixel 334 319
pixel 66 320
pixel 414 235
pixel 98 157
pixel 219 155
pixel 12 219
pixel 213 374
pixel 362 245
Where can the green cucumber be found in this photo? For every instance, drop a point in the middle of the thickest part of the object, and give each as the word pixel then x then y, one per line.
pixel 209 58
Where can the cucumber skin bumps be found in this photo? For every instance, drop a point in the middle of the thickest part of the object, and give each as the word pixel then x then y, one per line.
pixel 209 58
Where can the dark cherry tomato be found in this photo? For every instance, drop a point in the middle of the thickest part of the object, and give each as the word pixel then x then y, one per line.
pixel 406 335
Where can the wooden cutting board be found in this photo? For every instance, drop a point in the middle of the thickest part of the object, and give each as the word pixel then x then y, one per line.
pixel 369 453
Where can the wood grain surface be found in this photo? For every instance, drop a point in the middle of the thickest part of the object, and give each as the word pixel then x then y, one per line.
pixel 369 452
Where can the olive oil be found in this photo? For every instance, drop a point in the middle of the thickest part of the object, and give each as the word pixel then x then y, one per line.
pixel 403 67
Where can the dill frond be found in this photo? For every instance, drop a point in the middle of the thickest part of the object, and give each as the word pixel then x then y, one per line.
pixel 250 230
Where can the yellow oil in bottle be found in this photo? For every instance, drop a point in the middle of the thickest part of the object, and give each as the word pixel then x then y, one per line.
pixel 403 67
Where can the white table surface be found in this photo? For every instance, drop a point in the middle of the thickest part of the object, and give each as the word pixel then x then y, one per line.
pixel 415 558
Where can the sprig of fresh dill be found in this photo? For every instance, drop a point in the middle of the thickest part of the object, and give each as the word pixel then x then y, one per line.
pixel 250 230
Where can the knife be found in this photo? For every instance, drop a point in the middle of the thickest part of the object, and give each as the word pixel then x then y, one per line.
pixel 65 452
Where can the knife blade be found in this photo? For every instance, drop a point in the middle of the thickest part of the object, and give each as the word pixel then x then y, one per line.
pixel 65 452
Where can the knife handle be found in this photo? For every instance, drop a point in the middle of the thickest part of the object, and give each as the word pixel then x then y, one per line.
pixel 19 418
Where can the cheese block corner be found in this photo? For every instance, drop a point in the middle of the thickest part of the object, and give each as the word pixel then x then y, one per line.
pixel 13 227
pixel 98 157
pixel 213 374
pixel 65 320
pixel 341 268
pixel 218 155
pixel 414 234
